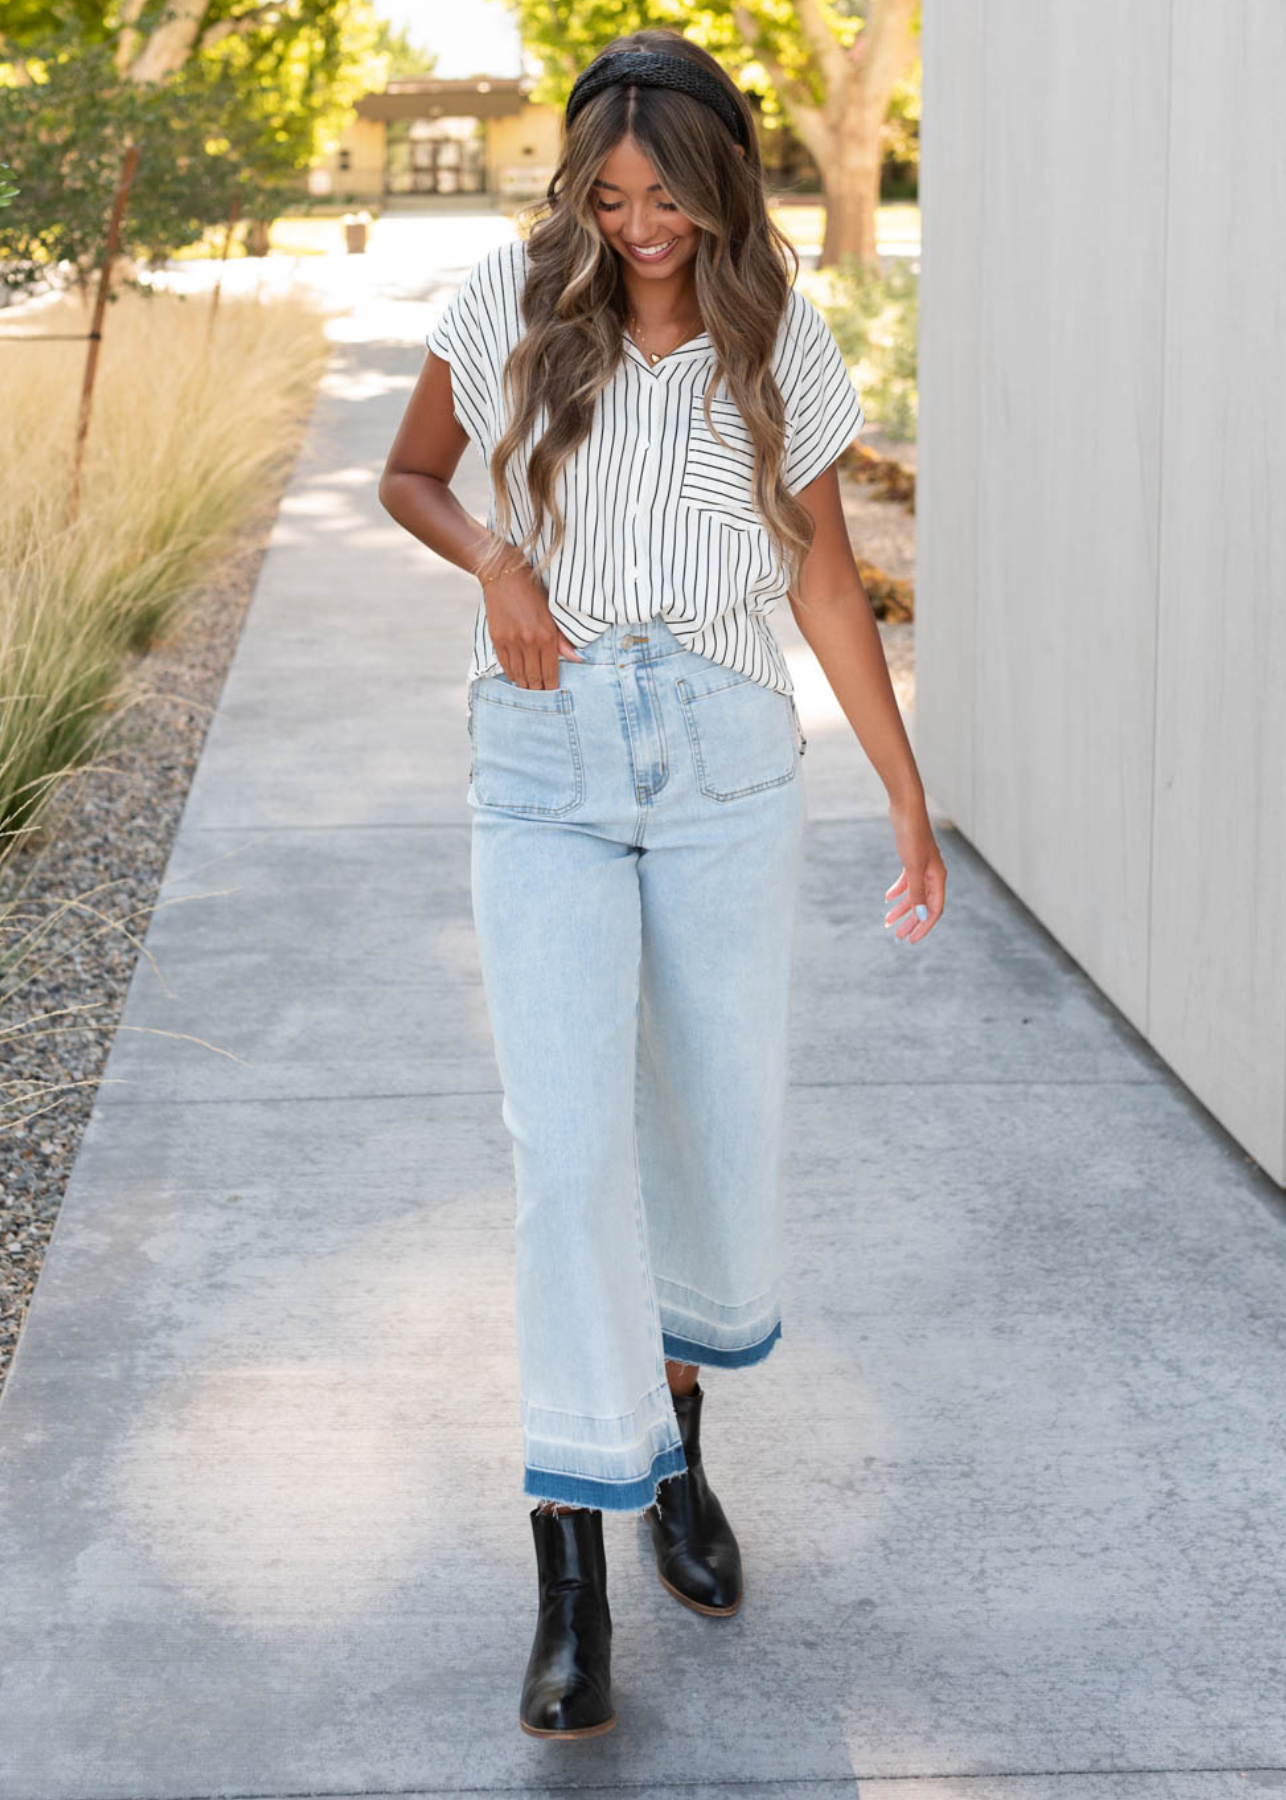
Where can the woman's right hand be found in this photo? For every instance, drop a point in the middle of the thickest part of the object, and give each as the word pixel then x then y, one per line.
pixel 527 640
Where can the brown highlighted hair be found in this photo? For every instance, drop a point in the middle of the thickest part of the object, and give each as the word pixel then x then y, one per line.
pixel 574 302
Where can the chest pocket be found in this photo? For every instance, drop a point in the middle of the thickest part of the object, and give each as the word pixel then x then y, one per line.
pixel 718 477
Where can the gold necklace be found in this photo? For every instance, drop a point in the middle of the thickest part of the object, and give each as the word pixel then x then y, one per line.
pixel 654 356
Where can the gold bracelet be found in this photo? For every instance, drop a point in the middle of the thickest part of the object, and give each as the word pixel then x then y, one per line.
pixel 511 570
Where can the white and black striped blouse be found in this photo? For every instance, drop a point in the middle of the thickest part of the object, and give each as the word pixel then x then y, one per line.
pixel 659 516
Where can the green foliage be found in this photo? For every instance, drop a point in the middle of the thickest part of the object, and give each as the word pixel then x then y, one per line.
pixel 286 91
pixel 564 35
pixel 248 114
pixel 69 129
pixel 875 318
pixel 25 24
pixel 901 136
pixel 407 59
pixel 8 192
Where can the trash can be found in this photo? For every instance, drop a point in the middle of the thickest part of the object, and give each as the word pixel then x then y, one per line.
pixel 356 226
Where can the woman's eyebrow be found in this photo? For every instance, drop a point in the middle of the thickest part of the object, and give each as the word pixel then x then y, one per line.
pixel 621 190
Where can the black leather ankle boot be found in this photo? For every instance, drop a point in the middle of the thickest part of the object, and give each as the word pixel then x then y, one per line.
pixel 567 1689
pixel 697 1556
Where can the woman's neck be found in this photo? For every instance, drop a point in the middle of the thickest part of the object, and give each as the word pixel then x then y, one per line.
pixel 663 305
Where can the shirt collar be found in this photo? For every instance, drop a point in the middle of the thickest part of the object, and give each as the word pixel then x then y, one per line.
pixel 698 346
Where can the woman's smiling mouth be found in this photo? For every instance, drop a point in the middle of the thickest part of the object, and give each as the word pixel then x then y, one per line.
pixel 653 254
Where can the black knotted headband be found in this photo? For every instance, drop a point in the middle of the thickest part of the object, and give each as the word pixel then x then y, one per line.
pixel 654 68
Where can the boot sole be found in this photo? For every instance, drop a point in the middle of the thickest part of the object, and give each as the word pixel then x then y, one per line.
pixel 583 1731
pixel 714 1612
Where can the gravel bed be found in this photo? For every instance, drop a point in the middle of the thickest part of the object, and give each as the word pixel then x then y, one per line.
pixel 117 825
pixel 883 533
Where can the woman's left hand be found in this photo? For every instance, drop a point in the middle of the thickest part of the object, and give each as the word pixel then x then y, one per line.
pixel 920 891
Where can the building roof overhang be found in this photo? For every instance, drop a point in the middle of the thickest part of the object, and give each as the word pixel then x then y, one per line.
pixel 481 97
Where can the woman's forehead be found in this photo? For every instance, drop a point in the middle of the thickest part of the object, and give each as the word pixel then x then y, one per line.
pixel 626 166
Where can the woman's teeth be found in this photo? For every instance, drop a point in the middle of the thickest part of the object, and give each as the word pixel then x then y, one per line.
pixel 652 250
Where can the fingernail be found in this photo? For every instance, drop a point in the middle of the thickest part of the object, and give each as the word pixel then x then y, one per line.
pixel 921 911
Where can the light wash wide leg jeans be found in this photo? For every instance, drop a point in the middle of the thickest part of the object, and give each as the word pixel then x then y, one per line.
pixel 637 843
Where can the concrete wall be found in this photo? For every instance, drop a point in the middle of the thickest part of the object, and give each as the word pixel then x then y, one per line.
pixel 1101 504
pixel 364 141
pixel 522 151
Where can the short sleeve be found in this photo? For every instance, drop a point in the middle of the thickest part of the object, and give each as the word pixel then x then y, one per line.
pixel 475 334
pixel 823 407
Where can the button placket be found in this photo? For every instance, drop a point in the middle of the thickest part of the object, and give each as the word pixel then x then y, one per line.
pixel 644 504
pixel 632 516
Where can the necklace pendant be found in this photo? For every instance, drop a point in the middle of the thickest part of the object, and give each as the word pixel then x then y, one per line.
pixel 655 358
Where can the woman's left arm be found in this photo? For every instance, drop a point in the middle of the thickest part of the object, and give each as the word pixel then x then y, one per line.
pixel 836 620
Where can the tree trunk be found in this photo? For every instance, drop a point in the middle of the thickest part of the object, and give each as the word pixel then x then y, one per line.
pixel 257 237
pixel 170 43
pixel 851 181
pixel 843 134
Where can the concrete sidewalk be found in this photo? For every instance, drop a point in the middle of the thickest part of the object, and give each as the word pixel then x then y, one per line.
pixel 1010 1491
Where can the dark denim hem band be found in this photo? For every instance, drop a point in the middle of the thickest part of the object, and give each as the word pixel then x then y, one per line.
pixel 610 1496
pixel 681 1349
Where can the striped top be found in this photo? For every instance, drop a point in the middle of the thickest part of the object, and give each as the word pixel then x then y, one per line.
pixel 660 519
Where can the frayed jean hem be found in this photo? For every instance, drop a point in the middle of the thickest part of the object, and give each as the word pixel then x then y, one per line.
pixel 607 1496
pixel 682 1349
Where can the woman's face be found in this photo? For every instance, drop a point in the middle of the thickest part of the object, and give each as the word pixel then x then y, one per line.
pixel 635 214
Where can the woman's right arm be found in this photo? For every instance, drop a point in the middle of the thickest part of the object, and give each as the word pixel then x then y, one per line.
pixel 415 489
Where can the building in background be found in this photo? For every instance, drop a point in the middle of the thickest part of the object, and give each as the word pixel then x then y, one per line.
pixel 479 136
pixel 440 138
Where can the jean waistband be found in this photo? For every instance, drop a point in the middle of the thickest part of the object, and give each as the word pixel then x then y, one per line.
pixel 643 641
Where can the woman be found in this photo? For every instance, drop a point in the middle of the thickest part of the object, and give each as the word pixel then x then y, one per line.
pixel 660 410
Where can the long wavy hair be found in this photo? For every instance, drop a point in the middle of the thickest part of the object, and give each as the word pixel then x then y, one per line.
pixel 574 301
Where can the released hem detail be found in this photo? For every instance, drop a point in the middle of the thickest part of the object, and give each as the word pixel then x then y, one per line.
pixel 608 1496
pixel 685 1349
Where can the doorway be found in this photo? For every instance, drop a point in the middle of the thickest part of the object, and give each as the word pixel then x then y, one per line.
pixel 435 156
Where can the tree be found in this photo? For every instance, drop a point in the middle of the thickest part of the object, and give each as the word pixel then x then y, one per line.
pixel 290 94
pixel 830 70
pixel 406 59
pixel 69 122
pixel 298 66
pixel 838 102
pixel 221 98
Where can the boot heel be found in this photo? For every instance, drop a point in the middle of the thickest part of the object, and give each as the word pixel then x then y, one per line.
pixel 567 1686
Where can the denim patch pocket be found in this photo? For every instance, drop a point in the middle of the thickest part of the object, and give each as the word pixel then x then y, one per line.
pixel 742 735
pixel 526 752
